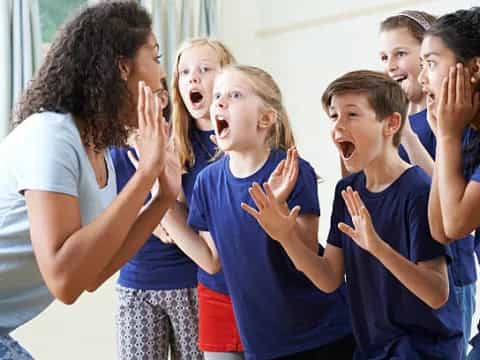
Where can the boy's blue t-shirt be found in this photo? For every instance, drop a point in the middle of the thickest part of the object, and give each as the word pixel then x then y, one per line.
pixel 204 150
pixel 463 250
pixel 389 320
pixel 278 310
pixel 156 266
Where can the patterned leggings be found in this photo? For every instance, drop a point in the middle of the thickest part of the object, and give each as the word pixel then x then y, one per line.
pixel 12 350
pixel 149 322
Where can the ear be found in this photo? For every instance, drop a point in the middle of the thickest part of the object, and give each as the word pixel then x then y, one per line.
pixel 392 124
pixel 267 119
pixel 163 99
pixel 125 67
pixel 475 69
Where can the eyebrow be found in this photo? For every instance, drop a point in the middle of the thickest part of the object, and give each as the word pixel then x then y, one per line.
pixel 434 53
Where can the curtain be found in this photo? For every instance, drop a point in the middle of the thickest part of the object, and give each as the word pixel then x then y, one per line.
pixel 175 21
pixel 20 41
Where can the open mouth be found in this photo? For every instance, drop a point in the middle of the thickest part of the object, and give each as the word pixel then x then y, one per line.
pixel 196 97
pixel 400 78
pixel 347 148
pixel 222 125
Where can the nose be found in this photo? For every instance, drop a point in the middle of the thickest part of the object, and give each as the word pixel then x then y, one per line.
pixel 194 77
pixel 392 64
pixel 422 78
pixel 220 102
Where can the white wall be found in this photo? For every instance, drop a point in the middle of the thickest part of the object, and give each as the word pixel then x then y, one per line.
pixel 304 44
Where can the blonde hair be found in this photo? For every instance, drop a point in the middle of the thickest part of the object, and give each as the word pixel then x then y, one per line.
pixel 181 119
pixel 263 85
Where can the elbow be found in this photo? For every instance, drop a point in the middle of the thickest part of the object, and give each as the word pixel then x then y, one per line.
pixel 213 268
pixel 439 300
pixel 454 230
pixel 65 293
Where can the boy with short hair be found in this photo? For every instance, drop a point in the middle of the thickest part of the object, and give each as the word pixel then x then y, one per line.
pixel 397 276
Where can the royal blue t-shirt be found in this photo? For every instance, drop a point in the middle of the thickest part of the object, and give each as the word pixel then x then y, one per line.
pixel 156 266
pixel 389 320
pixel 278 310
pixel 463 250
pixel 204 150
pixel 471 174
pixel 420 126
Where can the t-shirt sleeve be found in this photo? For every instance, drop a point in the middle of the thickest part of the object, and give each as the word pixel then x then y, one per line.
pixel 305 192
pixel 422 245
pixel 476 174
pixel 197 213
pixel 49 157
pixel 338 209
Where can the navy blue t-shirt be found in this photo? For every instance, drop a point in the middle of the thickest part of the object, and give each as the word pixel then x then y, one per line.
pixel 204 150
pixel 278 310
pixel 420 126
pixel 388 320
pixel 463 250
pixel 156 266
pixel 471 174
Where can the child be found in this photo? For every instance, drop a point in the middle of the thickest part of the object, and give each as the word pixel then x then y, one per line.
pixel 450 55
pixel 280 314
pixel 197 64
pixel 401 37
pixel 157 302
pixel 397 275
pixel 63 230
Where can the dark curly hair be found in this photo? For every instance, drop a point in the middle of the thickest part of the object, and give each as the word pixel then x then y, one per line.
pixel 80 74
pixel 460 32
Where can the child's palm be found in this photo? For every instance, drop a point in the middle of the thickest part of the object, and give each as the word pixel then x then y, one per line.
pixel 283 178
pixel 363 231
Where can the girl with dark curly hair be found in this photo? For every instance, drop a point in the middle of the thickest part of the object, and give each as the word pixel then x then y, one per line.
pixel 63 230
pixel 451 72
pixel 401 37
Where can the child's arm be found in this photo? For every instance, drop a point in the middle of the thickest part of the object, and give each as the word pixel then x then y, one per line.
pixel 327 272
pixel 416 151
pixel 199 247
pixel 428 280
pixel 458 199
pixel 435 218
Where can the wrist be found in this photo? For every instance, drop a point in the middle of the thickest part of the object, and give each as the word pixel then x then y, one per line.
pixel 378 248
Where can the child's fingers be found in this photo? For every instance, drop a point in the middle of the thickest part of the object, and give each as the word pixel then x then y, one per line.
pixel 348 202
pixel 250 210
pixel 467 84
pixel 358 202
pixel 452 86
pixel 294 213
pixel 353 201
pixel 476 104
pixel 346 229
pixel 279 169
pixel 269 192
pixel 258 196
pixel 460 84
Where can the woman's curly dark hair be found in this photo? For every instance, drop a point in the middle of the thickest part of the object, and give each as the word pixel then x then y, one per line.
pixel 80 74
pixel 460 32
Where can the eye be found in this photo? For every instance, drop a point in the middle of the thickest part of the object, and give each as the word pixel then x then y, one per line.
pixel 333 117
pixel 216 95
pixel 430 64
pixel 383 58
pixel 157 59
pixel 235 95
pixel 204 69
pixel 352 114
pixel 401 53
pixel 183 72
